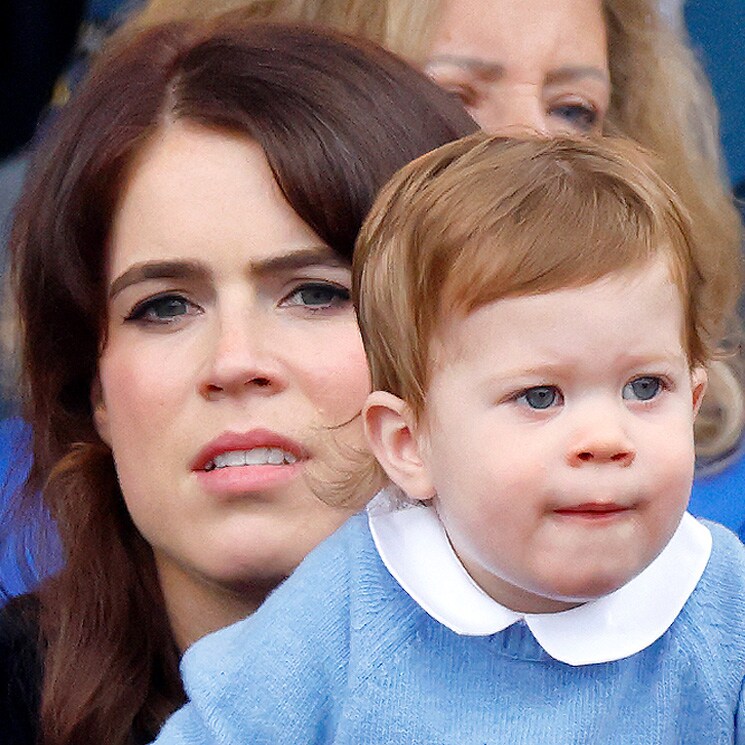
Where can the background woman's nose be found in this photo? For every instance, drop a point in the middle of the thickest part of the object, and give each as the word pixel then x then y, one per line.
pixel 499 114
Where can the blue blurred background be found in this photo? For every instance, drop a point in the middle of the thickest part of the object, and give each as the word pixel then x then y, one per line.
pixel 717 29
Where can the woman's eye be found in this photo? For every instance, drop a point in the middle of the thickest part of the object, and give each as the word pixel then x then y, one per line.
pixel 162 309
pixel 580 117
pixel 642 389
pixel 466 95
pixel 318 296
pixel 541 397
pixel 453 81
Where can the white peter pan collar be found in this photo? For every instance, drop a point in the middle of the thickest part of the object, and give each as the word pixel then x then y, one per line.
pixel 415 549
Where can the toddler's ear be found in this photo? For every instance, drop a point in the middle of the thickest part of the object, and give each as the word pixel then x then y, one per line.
pixel 390 428
pixel 699 380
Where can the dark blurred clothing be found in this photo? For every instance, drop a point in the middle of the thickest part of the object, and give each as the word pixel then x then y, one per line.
pixel 20 671
pixel 36 40
pixel 740 195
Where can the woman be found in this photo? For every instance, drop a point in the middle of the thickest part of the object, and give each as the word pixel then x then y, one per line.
pixel 181 264
pixel 569 66
pixel 599 65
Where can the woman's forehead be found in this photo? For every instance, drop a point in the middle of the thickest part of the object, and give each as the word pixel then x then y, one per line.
pixel 554 33
pixel 201 195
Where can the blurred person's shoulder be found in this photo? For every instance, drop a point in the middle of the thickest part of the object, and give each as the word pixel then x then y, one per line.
pixel 20 670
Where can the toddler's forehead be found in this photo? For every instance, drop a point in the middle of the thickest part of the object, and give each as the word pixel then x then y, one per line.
pixel 452 332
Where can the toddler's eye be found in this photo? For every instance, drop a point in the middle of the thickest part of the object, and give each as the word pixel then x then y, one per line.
pixel 642 389
pixel 541 397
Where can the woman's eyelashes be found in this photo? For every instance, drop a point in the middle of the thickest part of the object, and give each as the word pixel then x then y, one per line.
pixel 581 117
pixel 162 309
pixel 168 308
pixel 464 93
pixel 317 296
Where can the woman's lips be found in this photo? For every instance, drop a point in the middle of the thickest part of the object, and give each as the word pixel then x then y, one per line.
pixel 238 463
pixel 233 442
pixel 241 480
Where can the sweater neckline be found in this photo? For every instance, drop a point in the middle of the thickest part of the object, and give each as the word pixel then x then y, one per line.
pixel 415 549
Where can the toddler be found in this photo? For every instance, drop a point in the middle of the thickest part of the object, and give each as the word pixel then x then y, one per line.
pixel 538 336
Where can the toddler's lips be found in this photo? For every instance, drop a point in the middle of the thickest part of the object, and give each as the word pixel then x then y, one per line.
pixel 593 510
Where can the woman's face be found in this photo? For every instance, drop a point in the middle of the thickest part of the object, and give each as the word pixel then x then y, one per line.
pixel 232 351
pixel 540 64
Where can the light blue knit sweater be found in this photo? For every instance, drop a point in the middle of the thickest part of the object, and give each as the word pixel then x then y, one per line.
pixel 341 654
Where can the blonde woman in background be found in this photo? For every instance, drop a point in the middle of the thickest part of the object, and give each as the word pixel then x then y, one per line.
pixel 616 66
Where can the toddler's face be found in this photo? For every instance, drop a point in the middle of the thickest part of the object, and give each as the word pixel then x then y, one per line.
pixel 558 437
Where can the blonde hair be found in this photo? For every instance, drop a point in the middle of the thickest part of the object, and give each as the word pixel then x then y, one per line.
pixel 489 217
pixel 659 97
pixel 399 25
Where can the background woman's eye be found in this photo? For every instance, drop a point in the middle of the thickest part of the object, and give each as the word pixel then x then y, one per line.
pixel 642 389
pixel 465 94
pixel 541 397
pixel 162 309
pixel 580 117
pixel 318 295
pixel 453 79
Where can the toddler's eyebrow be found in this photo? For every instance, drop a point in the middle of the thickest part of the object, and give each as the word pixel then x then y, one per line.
pixel 559 367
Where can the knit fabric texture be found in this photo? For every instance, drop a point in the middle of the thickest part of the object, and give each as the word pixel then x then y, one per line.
pixel 341 654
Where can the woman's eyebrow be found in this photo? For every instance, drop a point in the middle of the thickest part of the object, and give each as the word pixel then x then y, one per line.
pixel 479 66
pixel 494 70
pixel 157 270
pixel 298 259
pixel 575 72
pixel 193 270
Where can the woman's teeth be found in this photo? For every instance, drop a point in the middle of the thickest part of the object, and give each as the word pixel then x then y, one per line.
pixel 253 457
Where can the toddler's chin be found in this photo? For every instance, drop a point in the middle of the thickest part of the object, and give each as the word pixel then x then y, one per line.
pixel 590 587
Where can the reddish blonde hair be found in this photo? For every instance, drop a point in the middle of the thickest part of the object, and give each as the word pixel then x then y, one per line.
pixel 490 217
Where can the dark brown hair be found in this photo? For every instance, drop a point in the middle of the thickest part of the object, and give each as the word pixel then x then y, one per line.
pixel 335 118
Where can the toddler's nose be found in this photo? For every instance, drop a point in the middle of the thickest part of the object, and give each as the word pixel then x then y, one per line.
pixel 602 442
pixel 603 454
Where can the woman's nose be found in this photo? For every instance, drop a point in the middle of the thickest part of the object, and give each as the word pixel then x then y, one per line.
pixel 601 440
pixel 242 357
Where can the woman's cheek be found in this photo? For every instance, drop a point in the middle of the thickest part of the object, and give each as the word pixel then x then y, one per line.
pixel 339 376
